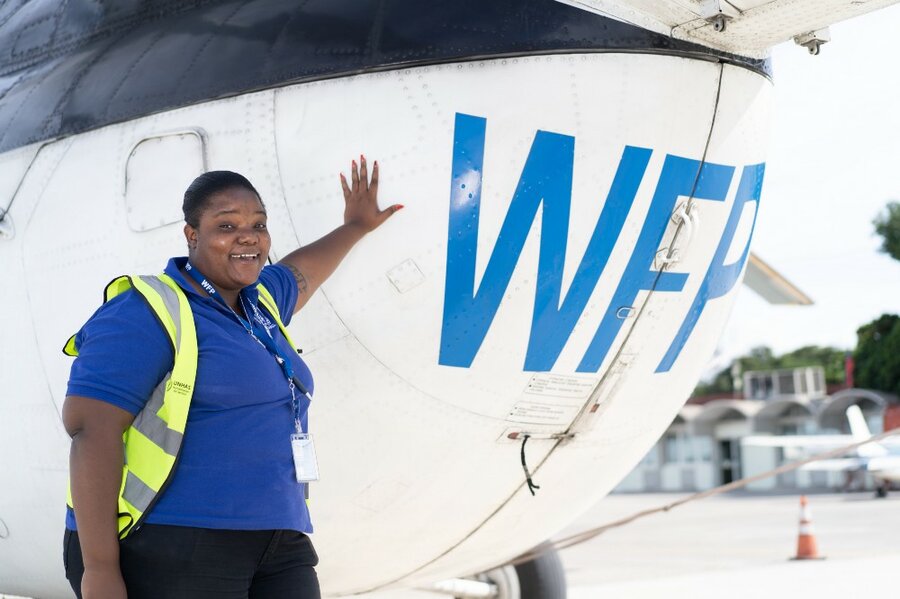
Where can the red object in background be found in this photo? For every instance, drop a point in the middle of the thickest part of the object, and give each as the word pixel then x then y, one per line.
pixel 891 417
pixel 848 371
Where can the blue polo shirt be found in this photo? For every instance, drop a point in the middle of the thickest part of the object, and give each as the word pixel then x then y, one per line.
pixel 236 469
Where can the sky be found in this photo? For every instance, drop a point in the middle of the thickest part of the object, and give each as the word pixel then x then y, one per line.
pixel 833 164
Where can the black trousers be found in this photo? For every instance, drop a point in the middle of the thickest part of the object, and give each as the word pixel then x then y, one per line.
pixel 177 562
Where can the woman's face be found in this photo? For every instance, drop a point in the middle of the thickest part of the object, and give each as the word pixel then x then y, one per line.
pixel 230 245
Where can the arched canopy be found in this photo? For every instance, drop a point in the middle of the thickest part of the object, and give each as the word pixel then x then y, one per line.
pixel 684 417
pixel 833 413
pixel 724 410
pixel 783 409
pixel 689 412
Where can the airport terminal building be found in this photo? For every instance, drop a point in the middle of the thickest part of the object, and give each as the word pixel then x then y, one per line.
pixel 782 416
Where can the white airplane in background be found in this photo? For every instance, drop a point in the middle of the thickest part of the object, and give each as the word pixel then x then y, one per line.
pixel 636 130
pixel 880 459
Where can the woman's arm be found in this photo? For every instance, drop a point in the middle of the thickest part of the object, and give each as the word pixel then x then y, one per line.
pixel 95 471
pixel 314 263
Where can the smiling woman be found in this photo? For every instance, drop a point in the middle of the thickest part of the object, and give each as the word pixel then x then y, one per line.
pixel 206 495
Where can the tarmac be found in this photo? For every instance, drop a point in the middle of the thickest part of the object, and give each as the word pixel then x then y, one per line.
pixel 736 546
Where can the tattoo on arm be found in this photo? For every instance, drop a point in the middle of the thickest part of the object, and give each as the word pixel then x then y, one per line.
pixel 302 285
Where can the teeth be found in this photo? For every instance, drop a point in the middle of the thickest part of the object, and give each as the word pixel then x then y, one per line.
pixel 244 255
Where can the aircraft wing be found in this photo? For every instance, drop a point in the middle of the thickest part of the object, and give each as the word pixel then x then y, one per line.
pixel 772 286
pixel 813 443
pixel 746 27
pixel 885 463
pixel 884 467
pixel 837 465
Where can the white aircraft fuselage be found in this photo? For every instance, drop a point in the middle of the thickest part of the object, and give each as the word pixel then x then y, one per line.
pixel 577 222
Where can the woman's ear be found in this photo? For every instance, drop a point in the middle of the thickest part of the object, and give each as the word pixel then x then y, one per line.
pixel 190 235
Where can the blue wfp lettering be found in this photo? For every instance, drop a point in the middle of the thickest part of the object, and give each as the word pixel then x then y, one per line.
pixel 546 182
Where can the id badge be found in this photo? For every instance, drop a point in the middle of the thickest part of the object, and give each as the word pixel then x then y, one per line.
pixel 305 464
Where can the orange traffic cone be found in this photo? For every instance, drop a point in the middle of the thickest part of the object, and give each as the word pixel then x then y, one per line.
pixel 806 540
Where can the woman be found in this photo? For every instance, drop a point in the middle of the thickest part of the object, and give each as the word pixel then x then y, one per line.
pixel 230 520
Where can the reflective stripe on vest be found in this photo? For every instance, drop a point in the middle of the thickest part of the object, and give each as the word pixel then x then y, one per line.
pixel 153 441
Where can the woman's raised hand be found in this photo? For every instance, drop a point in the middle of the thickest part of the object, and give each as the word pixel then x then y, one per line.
pixel 361 198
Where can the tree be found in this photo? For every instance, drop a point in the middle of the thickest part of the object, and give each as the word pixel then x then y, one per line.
pixel 877 354
pixel 831 359
pixel 720 383
pixel 759 358
pixel 887 225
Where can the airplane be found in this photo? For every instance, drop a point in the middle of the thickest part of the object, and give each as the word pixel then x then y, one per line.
pixel 581 186
pixel 881 460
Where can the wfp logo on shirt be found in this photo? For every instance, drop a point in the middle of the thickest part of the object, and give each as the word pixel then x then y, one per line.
pixel 263 320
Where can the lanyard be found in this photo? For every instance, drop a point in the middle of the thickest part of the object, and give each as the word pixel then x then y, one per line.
pixel 258 331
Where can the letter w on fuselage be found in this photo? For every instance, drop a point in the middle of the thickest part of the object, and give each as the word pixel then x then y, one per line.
pixel 546 181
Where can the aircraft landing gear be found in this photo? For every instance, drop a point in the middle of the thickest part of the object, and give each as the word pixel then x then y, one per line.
pixel 540 578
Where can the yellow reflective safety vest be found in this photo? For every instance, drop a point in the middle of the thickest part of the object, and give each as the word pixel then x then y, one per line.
pixel 153 441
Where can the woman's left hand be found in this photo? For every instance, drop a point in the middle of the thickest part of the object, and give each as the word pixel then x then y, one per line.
pixel 361 198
